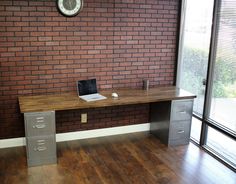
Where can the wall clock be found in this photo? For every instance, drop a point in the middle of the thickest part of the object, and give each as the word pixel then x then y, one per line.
pixel 70 7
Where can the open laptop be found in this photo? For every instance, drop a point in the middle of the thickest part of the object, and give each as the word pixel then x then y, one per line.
pixel 87 90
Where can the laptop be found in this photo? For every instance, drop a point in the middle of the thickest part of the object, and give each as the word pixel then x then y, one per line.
pixel 87 90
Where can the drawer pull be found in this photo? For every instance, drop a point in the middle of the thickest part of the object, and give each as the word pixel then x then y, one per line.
pixel 40 149
pixel 39 126
pixel 180 131
pixel 41 143
pixel 40 121
pixel 182 112
pixel 40 118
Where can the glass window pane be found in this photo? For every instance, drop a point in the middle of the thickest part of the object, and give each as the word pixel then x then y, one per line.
pixel 222 144
pixel 223 102
pixel 195 45
pixel 196 129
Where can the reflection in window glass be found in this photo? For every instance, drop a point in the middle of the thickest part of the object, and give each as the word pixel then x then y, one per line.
pixel 196 129
pixel 195 49
pixel 222 144
pixel 223 101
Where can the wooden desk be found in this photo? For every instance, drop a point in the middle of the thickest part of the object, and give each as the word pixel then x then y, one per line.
pixel 67 101
pixel 39 113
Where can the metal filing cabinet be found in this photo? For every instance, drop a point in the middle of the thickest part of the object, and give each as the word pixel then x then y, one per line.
pixel 171 121
pixel 40 138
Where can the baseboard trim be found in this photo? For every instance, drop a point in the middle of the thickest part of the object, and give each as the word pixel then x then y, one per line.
pixel 85 134
pixel 102 132
pixel 14 142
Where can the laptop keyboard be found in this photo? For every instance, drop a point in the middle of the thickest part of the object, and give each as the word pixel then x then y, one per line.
pixel 93 97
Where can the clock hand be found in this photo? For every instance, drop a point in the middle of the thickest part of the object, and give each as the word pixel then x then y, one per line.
pixel 70 4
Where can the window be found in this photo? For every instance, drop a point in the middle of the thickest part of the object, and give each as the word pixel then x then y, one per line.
pixel 207 68
pixel 222 144
pixel 196 129
pixel 223 95
pixel 194 53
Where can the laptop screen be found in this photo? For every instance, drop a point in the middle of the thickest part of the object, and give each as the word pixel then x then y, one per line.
pixel 87 87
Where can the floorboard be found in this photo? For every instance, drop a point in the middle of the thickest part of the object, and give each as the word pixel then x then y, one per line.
pixel 137 158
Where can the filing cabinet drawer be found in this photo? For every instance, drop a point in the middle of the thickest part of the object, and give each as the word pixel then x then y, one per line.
pixel 181 110
pixel 40 123
pixel 177 142
pixel 179 130
pixel 42 161
pixel 41 147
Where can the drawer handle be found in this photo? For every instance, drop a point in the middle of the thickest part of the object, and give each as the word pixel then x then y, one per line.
pixel 180 131
pixel 40 118
pixel 40 121
pixel 182 112
pixel 40 149
pixel 39 126
pixel 41 141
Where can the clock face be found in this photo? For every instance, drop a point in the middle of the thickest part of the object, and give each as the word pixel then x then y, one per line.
pixel 70 7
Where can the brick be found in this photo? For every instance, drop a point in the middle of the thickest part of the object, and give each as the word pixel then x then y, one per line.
pixel 119 43
pixel 29 19
pixel 21 14
pixel 22 53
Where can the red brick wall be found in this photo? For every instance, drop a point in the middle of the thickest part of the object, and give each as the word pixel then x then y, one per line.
pixel 119 42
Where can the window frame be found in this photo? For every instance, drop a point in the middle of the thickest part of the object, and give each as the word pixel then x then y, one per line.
pixel 206 121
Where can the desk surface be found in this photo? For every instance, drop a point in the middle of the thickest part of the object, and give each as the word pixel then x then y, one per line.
pixel 67 101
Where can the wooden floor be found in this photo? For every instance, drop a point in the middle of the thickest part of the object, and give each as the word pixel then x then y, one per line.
pixel 133 158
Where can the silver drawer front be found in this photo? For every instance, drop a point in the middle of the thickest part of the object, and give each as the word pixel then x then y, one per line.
pixel 40 123
pixel 41 147
pixel 41 161
pixel 179 130
pixel 177 142
pixel 181 110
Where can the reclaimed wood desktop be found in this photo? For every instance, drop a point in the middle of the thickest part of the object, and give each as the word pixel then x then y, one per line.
pixel 67 101
pixel 170 116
